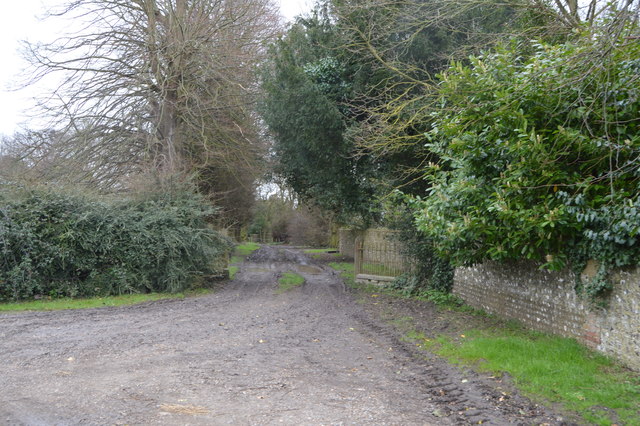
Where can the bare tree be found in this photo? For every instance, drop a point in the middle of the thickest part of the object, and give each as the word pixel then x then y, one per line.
pixel 167 83
pixel 574 13
pixel 70 159
pixel 385 30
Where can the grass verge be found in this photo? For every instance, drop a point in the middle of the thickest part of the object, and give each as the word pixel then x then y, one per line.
pixel 548 369
pixel 347 271
pixel 289 280
pixel 323 253
pixel 320 250
pixel 245 249
pixel 233 270
pixel 95 302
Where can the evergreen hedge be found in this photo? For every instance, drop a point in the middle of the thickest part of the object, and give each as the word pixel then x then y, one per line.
pixel 57 244
pixel 539 157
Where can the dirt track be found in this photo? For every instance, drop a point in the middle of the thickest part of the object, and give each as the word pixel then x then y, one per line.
pixel 243 355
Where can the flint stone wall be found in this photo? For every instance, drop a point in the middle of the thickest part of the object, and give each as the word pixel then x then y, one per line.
pixel 546 301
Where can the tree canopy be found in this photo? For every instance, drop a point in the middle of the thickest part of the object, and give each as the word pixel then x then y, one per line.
pixel 162 86
pixel 307 88
pixel 510 128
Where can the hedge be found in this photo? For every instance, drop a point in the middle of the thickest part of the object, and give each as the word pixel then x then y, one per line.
pixel 58 244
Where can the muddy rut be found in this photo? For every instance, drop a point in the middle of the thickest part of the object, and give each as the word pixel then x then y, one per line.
pixel 243 355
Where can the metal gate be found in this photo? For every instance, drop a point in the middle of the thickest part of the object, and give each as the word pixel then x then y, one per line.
pixel 379 259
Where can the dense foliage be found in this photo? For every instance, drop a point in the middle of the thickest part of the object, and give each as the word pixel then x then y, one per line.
pixel 539 156
pixel 428 271
pixel 307 85
pixel 324 84
pixel 330 84
pixel 54 244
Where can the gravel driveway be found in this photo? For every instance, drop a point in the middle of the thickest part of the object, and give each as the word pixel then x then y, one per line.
pixel 242 355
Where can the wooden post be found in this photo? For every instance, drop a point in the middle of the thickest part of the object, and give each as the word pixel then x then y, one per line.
pixel 359 252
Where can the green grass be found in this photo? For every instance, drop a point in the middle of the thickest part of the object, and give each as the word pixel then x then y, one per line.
pixel 241 251
pixel 289 280
pixel 344 267
pixel 321 253
pixel 324 255
pixel 347 271
pixel 549 369
pixel 233 270
pixel 245 249
pixel 96 302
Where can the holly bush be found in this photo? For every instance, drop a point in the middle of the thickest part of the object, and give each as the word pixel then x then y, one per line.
pixel 540 156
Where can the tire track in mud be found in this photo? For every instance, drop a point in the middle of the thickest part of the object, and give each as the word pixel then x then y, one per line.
pixel 463 397
pixel 242 355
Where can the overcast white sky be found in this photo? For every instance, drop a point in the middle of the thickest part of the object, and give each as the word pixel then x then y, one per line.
pixel 18 21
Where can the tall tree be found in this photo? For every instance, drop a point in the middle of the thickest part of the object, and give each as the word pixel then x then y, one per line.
pixel 308 86
pixel 336 75
pixel 170 82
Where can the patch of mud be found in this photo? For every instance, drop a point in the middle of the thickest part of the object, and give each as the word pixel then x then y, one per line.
pixel 278 254
pixel 258 270
pixel 308 269
pixel 242 355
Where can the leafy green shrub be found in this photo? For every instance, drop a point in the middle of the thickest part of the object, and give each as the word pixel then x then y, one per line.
pixel 56 244
pixel 539 157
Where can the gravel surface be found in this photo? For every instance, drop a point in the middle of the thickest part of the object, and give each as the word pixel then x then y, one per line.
pixel 243 355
